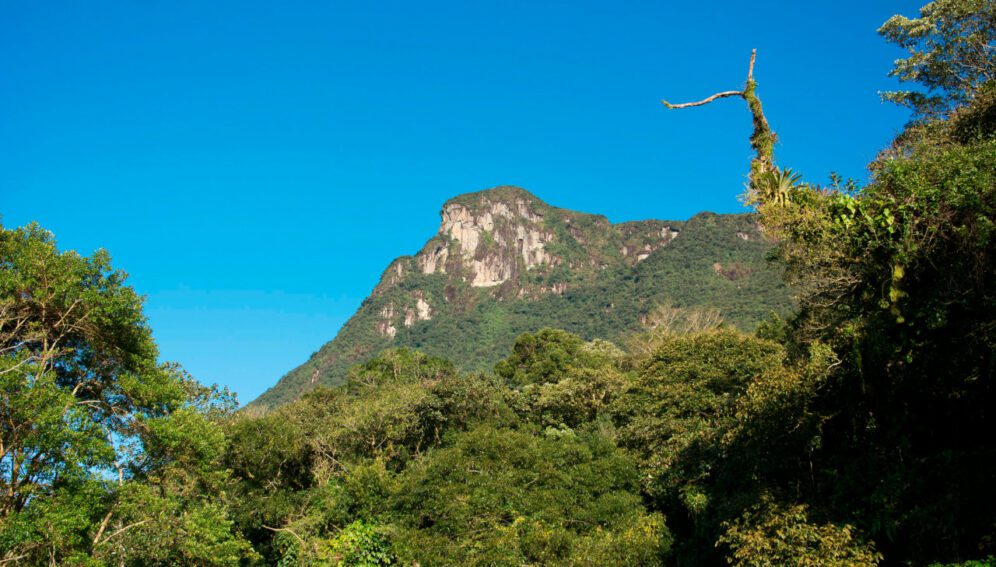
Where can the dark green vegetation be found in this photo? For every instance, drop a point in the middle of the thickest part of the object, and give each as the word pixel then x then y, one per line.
pixel 855 431
pixel 595 283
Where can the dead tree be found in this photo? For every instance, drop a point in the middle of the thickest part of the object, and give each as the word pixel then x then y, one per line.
pixel 762 140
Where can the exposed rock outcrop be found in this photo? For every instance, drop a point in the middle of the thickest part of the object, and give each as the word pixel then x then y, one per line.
pixel 433 260
pixel 490 235
pixel 385 326
pixel 505 234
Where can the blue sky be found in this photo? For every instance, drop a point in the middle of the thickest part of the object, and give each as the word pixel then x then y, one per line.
pixel 255 165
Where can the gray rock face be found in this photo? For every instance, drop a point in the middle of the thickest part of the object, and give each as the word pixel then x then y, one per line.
pixel 496 236
pixel 489 240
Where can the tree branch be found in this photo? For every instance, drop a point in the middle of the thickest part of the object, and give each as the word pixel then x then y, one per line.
pixel 124 529
pixel 17 558
pixel 723 94
pixel 103 526
pixel 291 532
pixel 762 140
pixel 18 365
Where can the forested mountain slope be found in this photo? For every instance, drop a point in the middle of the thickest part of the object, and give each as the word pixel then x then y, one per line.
pixel 504 263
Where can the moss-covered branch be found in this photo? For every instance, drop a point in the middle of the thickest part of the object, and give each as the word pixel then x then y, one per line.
pixel 762 139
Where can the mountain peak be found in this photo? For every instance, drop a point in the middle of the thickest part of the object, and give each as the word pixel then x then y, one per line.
pixel 508 239
pixel 504 262
pixel 490 237
pixel 501 194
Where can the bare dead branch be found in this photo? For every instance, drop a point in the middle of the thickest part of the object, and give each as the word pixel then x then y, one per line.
pixel 17 558
pixel 124 529
pixel 103 526
pixel 291 532
pixel 723 94
pixel 18 365
pixel 762 140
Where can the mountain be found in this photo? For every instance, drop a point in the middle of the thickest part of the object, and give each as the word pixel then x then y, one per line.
pixel 504 263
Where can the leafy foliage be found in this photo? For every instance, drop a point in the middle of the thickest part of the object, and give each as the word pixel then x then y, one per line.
pixel 952 53
pixel 103 450
pixel 774 535
pixel 359 545
pixel 519 496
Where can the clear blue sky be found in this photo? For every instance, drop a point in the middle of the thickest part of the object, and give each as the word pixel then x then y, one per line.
pixel 255 165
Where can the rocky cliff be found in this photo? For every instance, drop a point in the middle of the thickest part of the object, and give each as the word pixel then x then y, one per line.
pixel 504 262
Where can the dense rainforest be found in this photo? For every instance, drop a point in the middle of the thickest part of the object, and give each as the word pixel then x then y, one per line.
pixel 856 430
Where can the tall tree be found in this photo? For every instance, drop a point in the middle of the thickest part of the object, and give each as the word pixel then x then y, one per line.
pixel 87 412
pixel 952 54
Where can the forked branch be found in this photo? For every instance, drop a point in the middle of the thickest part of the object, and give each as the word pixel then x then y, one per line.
pixel 724 94
pixel 762 139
